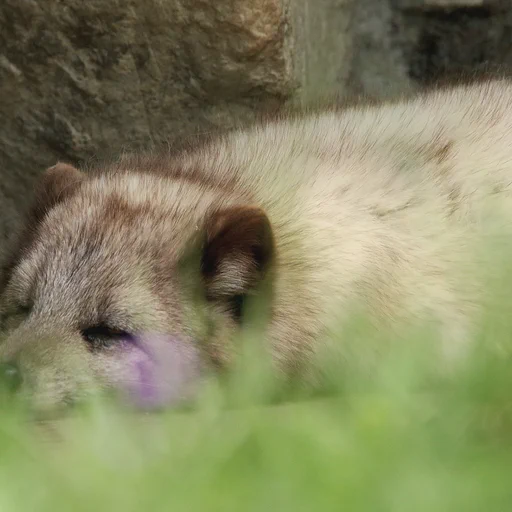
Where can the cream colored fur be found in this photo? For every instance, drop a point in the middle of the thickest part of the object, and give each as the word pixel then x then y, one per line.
pixel 382 206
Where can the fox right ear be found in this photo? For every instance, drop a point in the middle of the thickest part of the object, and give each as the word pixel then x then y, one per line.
pixel 57 183
pixel 238 253
pixel 234 252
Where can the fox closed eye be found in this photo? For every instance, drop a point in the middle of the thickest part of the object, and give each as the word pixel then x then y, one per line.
pixel 102 336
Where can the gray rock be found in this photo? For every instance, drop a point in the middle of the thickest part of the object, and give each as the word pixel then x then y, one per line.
pixel 379 69
pixel 426 4
pixel 322 46
pixel 466 40
pixel 403 45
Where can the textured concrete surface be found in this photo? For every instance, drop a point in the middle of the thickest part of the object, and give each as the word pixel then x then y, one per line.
pixel 322 46
pixel 400 45
pixel 441 42
pixel 378 67
pixel 442 3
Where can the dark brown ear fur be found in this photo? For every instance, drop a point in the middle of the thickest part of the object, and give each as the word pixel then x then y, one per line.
pixel 56 184
pixel 238 250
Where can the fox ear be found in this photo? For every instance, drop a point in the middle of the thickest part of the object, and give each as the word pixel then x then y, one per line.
pixel 237 252
pixel 56 184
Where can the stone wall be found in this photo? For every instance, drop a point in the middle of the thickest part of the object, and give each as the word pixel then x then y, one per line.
pixel 83 79
pixel 400 45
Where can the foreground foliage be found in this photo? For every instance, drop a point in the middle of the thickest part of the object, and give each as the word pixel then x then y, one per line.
pixel 399 441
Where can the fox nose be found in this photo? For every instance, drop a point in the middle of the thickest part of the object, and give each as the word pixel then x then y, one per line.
pixel 10 376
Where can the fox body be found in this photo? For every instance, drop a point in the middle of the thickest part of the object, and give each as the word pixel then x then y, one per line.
pixel 383 206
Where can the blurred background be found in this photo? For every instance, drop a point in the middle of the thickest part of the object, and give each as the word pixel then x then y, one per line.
pixel 81 79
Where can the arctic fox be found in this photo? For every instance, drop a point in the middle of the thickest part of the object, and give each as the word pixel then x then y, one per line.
pixel 382 206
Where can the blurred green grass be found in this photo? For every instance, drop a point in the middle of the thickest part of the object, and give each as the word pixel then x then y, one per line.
pixel 398 441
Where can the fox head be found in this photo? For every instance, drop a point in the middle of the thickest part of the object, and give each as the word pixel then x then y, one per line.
pixel 128 281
